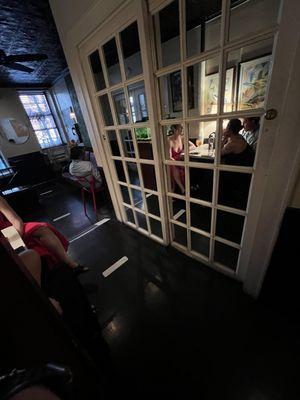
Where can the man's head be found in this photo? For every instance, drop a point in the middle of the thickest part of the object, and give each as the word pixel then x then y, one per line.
pixel 251 123
pixel 76 153
pixel 234 126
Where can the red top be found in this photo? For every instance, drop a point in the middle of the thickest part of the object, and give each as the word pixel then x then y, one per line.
pixel 176 154
pixel 32 242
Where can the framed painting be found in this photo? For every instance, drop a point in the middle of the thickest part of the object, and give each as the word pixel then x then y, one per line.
pixel 210 93
pixel 253 81
pixel 175 80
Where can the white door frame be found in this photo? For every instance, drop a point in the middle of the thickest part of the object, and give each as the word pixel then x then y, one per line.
pixel 129 13
pixel 276 175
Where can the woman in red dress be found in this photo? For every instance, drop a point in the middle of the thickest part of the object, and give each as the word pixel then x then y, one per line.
pixel 40 237
pixel 176 144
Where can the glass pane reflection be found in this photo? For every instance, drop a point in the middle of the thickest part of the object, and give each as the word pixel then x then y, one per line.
pixel 138 102
pixel 120 171
pixel 171 95
pixel 148 172
pixel 113 142
pixel 229 226
pixel 133 174
pixel 179 235
pixel 106 111
pixel 234 189
pixel 112 62
pixel 120 106
pixel 155 227
pixel 203 24
pixel 138 200
pixel 200 217
pixel 125 194
pixel 250 17
pixel 226 255
pixel 127 142
pixel 97 70
pixel 201 183
pixel 131 50
pixel 144 143
pixel 129 215
pixel 200 243
pixel 142 221
pixel 177 209
pixel 152 204
pixel 166 25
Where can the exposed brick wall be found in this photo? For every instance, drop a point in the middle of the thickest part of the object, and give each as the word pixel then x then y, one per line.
pixel 27 26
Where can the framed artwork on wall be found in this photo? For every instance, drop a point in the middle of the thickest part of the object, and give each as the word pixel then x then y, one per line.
pixel 210 93
pixel 175 80
pixel 253 79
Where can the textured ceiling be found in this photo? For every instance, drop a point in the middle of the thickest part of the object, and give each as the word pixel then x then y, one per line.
pixel 27 26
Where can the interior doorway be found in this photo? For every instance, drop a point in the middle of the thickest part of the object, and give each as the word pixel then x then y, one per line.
pixel 164 83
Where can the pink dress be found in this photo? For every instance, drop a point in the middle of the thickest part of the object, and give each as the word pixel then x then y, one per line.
pixel 176 156
pixel 34 243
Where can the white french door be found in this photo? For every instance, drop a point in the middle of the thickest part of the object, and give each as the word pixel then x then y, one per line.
pixel 115 69
pixel 196 65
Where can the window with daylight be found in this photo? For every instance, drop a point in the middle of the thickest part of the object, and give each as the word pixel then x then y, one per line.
pixel 4 167
pixel 3 164
pixel 41 118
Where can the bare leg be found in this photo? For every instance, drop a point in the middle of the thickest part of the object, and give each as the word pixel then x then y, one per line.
pixel 32 262
pixel 51 242
pixel 177 178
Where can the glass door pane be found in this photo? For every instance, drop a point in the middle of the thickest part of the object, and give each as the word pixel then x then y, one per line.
pixel 112 62
pixel 131 51
pixel 250 17
pixel 203 25
pixel 166 24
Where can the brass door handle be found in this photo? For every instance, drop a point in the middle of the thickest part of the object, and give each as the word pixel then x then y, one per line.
pixel 271 114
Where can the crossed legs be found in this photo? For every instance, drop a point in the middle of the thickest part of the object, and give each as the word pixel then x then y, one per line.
pixel 52 243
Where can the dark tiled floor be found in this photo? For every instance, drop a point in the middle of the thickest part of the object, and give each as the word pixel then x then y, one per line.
pixel 60 198
pixel 177 328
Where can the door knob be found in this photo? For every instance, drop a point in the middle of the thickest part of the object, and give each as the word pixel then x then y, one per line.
pixel 271 114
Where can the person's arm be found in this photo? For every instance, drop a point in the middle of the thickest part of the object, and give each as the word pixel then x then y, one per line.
pixel 12 217
pixel 224 138
pixel 228 148
pixel 191 146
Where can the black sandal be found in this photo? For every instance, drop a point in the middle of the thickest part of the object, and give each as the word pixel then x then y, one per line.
pixel 80 269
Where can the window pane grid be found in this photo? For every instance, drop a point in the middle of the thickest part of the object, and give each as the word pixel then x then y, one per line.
pixel 41 118
pixel 130 158
pixel 187 164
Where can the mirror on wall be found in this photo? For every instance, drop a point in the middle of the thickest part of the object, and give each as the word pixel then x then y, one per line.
pixel 14 131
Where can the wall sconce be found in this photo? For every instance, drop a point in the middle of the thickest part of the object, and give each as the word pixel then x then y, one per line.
pixel 73 115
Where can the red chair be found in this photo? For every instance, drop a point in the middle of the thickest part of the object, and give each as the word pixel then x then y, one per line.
pixel 91 186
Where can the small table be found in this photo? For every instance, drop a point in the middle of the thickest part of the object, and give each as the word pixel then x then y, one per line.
pixel 200 154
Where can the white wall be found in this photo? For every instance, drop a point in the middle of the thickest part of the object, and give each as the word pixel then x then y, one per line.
pixel 75 20
pixel 11 107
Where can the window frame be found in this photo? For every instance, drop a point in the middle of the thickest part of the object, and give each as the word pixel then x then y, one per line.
pixel 52 114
